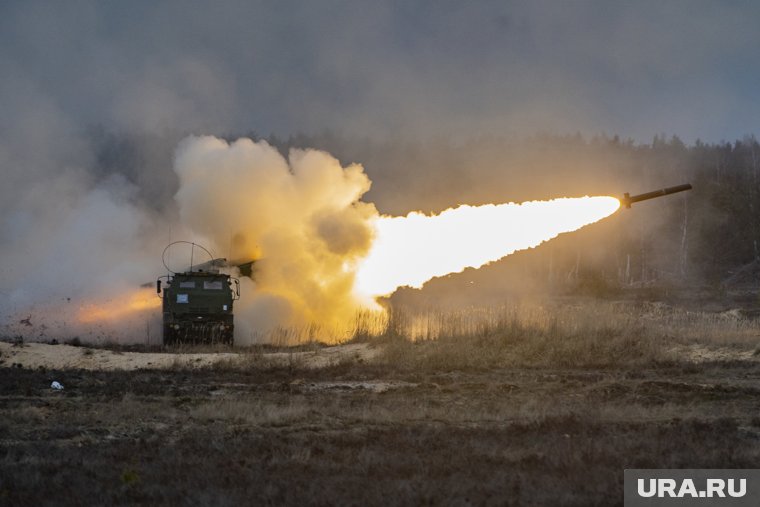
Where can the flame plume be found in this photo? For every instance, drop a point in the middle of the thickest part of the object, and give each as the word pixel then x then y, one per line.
pixel 410 250
pixel 127 305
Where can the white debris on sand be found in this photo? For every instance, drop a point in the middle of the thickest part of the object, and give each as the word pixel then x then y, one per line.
pixel 376 386
pixel 697 353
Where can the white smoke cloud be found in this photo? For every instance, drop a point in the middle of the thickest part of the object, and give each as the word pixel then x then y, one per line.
pixel 70 244
pixel 300 218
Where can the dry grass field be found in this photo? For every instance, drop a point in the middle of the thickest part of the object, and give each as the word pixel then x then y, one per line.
pixel 520 405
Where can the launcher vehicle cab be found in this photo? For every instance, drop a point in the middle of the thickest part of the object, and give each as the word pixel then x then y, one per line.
pixel 197 303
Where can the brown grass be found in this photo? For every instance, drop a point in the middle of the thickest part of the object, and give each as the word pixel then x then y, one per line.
pixel 590 334
pixel 524 436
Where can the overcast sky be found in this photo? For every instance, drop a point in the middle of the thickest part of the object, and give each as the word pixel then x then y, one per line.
pixel 383 68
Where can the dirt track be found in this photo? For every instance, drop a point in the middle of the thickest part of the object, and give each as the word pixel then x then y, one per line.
pixel 66 357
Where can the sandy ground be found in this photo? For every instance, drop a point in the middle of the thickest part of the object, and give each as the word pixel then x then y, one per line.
pixel 65 357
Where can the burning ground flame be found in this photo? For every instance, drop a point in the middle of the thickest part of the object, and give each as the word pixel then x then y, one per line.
pixel 413 249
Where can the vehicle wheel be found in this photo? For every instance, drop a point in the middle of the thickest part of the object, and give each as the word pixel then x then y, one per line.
pixel 229 336
pixel 169 335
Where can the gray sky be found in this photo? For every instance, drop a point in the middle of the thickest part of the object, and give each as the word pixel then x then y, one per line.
pixel 384 68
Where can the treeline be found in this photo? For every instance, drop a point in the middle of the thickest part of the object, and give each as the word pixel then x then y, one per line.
pixel 710 235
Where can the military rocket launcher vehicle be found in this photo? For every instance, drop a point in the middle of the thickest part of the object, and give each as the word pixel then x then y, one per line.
pixel 197 301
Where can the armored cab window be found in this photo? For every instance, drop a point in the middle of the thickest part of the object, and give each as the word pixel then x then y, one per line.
pixel 187 285
pixel 182 298
pixel 217 285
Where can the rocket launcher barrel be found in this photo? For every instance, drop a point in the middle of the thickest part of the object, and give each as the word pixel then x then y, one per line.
pixel 628 199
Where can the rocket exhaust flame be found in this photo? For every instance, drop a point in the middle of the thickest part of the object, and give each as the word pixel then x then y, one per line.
pixel 126 306
pixel 410 250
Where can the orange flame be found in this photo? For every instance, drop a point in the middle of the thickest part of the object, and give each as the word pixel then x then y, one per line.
pixel 135 302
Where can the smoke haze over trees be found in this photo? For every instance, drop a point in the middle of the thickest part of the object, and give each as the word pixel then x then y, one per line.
pixel 700 237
